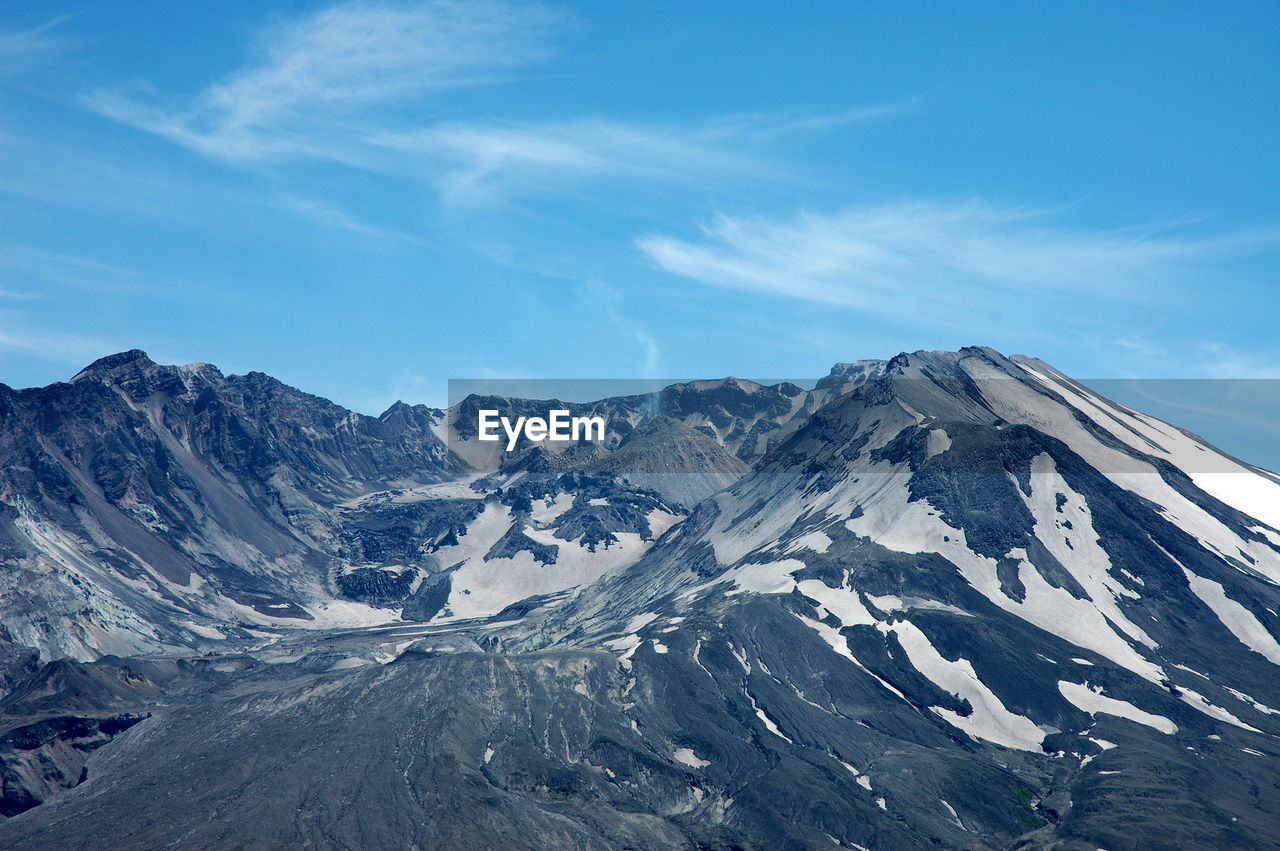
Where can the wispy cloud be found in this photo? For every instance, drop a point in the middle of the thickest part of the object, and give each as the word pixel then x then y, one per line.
pixel 312 81
pixel 41 268
pixel 359 84
pixel 480 158
pixel 473 163
pixel 22 46
pixel 335 218
pixel 933 256
pixel 1141 348
pixel 19 337
pixel 1219 360
pixel 606 301
pixel 771 124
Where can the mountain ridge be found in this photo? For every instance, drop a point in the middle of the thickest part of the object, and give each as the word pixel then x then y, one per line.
pixel 953 598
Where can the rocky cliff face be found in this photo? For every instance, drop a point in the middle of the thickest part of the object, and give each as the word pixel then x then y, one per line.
pixel 138 496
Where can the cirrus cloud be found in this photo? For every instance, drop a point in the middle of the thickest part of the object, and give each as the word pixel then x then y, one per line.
pixel 312 81
pixel 940 255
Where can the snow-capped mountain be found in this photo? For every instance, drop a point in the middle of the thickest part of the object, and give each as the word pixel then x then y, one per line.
pixel 952 598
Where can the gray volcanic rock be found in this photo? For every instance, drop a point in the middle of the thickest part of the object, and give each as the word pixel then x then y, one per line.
pixel 480 750
pixel 845 376
pixel 139 498
pixel 683 464
pixel 39 759
pixel 950 599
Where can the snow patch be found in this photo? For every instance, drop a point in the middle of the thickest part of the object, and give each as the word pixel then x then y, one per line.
pixel 627 646
pixel 771 578
pixel 350 662
pixel 1235 617
pixel 545 512
pixel 990 719
pixel 660 521
pixel 891 519
pixel 204 631
pixel 689 758
pixel 481 588
pixel 1198 701
pixel 640 621
pixel 837 642
pixel 816 540
pixel 1094 701
pixel 767 721
pixel 844 602
pixel 741 657
pixel 938 442
pixel 1241 696
pixel 1270 534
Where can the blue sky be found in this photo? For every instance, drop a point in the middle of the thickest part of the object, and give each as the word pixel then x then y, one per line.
pixel 366 199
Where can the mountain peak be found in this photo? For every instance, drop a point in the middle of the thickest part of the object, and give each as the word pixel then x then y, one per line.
pixel 856 372
pixel 111 365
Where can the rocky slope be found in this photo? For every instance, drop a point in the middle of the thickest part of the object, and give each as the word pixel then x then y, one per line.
pixel 145 506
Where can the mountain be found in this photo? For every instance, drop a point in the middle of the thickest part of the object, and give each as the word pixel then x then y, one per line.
pixel 951 598
pixel 145 507
pixel 683 463
pixel 142 506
